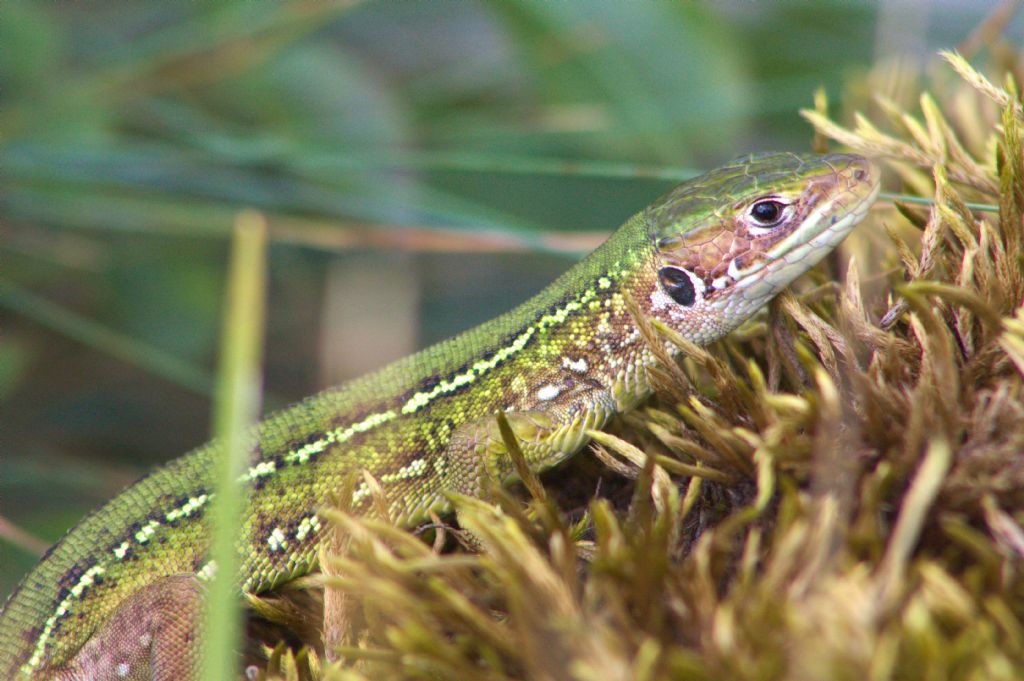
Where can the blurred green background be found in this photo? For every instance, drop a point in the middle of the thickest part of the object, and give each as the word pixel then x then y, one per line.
pixel 407 155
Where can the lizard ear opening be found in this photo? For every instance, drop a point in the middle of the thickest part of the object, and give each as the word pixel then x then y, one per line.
pixel 678 284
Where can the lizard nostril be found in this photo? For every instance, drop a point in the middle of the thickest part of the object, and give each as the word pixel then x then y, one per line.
pixel 860 174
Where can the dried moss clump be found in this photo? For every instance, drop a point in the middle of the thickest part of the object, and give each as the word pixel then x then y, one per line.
pixel 835 492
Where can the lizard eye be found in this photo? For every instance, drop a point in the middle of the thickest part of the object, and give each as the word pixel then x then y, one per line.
pixel 767 213
pixel 678 285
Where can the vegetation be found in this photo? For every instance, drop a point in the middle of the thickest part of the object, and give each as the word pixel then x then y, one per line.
pixel 835 492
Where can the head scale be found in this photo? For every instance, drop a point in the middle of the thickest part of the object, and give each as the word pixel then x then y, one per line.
pixel 728 241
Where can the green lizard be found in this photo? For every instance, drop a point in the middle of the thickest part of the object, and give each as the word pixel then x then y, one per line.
pixel 114 599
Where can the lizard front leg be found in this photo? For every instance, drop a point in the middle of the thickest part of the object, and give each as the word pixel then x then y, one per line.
pixel 547 436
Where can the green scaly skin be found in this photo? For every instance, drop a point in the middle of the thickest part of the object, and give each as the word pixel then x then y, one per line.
pixel 565 361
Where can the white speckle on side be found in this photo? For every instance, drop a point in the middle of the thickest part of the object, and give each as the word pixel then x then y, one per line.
pixel 123 669
pixel 308 525
pixel 262 469
pixel 304 453
pixel 87 580
pixel 362 491
pixel 186 509
pixel 145 640
pixel 122 550
pixel 147 531
pixel 548 392
pixel 277 541
pixel 578 365
pixel 415 469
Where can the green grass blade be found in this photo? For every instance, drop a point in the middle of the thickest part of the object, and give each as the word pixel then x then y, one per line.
pixel 238 394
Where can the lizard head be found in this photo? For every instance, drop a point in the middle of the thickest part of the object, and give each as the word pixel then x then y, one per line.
pixel 727 242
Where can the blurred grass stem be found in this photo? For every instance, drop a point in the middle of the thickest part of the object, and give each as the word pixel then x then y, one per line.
pixel 236 409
